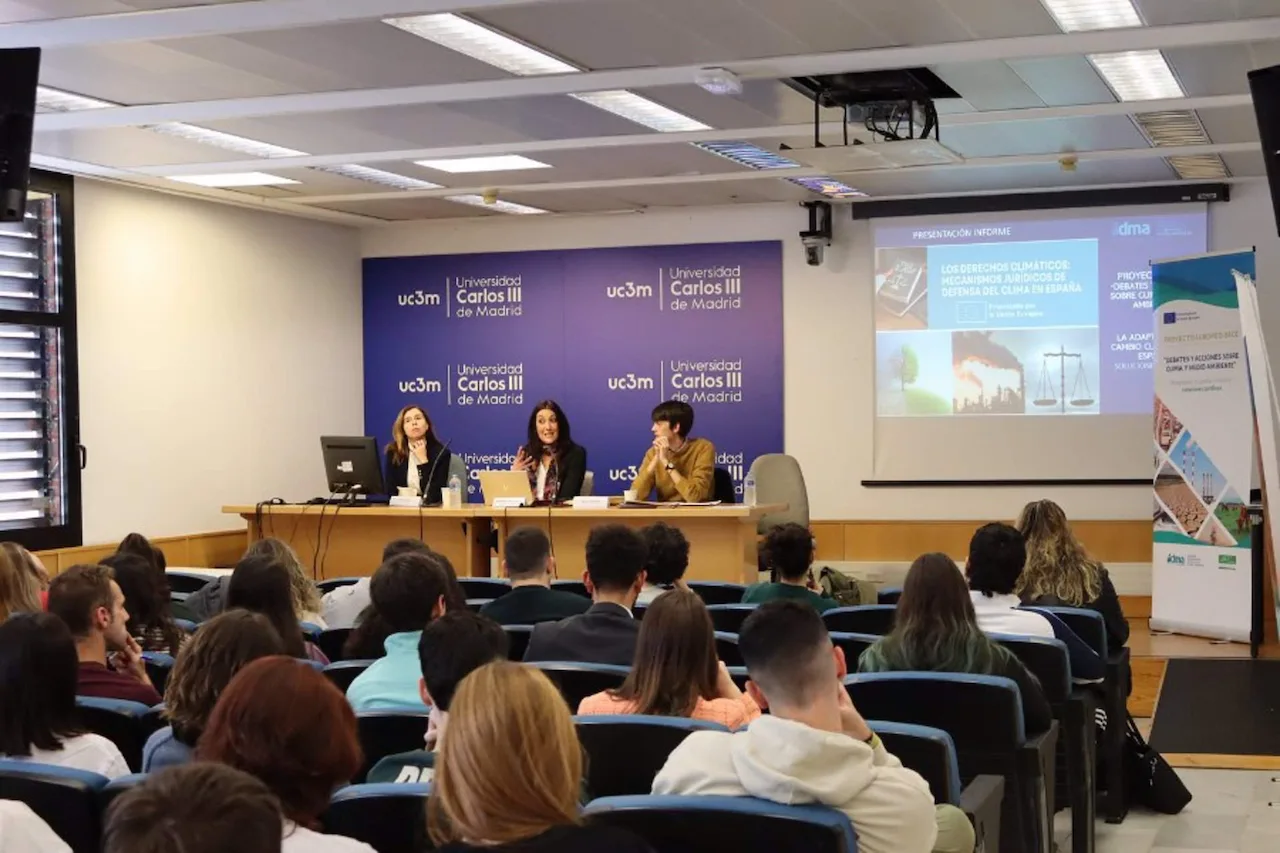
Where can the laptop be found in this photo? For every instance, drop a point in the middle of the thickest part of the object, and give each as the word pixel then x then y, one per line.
pixel 505 484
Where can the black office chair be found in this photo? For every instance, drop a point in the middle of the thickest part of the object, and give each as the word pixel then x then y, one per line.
pixel 126 724
pixel 391 817
pixel 727 651
pixel 331 642
pixel 626 751
pixel 722 488
pixel 577 681
pixel 343 672
pixel 517 640
pixel 486 588
pixel 729 617
pixel 384 733
pixel 718 592
pixel 873 619
pixel 64 798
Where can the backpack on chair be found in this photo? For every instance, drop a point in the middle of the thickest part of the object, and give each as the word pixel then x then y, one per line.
pixel 844 590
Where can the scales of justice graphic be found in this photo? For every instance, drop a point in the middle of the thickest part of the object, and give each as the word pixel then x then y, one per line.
pixel 1048 396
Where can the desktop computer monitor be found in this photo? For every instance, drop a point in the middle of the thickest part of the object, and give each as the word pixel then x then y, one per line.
pixel 351 465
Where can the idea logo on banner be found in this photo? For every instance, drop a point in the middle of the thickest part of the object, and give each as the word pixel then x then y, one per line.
pixel 491 296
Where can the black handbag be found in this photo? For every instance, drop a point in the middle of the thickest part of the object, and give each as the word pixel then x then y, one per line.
pixel 1152 782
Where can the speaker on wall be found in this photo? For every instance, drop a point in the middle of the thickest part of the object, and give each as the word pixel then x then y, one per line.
pixel 1264 84
pixel 19 72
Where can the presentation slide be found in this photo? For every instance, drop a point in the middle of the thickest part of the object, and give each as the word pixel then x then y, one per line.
pixel 1021 315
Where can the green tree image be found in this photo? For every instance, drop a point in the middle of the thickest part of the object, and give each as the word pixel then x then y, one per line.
pixel 905 367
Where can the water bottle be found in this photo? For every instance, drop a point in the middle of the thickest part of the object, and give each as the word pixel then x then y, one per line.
pixel 749 489
pixel 455 492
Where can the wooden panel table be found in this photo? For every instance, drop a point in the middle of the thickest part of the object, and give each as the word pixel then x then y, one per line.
pixel 351 539
pixel 722 539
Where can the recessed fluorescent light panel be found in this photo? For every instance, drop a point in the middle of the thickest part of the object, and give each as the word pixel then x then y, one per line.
pixel 1138 75
pixel 641 110
pixel 1079 15
pixel 378 176
pixel 501 205
pixel 746 154
pixel 225 141
pixel 829 187
pixel 500 163
pixel 57 101
pixel 1199 167
pixel 479 42
pixel 242 179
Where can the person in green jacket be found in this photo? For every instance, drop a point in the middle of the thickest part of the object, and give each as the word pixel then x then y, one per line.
pixel 788 553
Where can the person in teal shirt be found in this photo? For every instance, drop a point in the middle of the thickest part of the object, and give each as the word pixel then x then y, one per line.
pixel 407 592
pixel 451 647
pixel 788 553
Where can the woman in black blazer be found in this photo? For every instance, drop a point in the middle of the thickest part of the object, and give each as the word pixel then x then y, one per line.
pixel 555 465
pixel 413 440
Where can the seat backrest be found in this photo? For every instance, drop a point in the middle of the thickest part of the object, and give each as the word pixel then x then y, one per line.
pixel 65 799
pixel 741 824
pixel 186 582
pixel 1046 659
pixel 575 587
pixel 331 642
pixel 310 631
pixel 342 673
pixel 577 681
pixel 517 640
pixel 780 480
pixel 484 587
pixel 116 787
pixel 739 676
pixel 927 750
pixel 588 484
pixel 474 604
pixel 330 584
pixel 126 724
pixel 853 645
pixel 384 733
pixel 982 713
pixel 874 619
pixel 727 649
pixel 718 592
pixel 1088 625
pixel 722 488
pixel 729 617
pixel 390 817
pixel 626 751
pixel 889 595
pixel 159 665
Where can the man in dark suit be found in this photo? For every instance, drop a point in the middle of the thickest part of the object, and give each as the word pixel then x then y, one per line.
pixel 607 632
pixel 529 564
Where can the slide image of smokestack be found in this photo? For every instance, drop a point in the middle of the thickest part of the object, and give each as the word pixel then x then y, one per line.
pixel 988 378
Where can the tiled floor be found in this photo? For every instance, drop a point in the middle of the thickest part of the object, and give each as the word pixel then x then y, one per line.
pixel 1233 811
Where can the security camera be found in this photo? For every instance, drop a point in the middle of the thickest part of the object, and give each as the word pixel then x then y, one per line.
pixel 814 246
pixel 817 236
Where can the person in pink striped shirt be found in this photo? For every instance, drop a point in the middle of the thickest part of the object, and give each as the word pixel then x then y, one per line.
pixel 676 672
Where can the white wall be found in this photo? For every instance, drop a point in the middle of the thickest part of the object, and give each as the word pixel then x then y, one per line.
pixel 829 337
pixel 216 344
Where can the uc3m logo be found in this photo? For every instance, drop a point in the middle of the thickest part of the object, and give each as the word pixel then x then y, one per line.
pixel 630 290
pixel 421 386
pixel 625 475
pixel 419 298
pixel 631 382
pixel 1175 560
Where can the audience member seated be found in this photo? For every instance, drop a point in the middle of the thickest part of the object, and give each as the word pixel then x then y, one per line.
pixel 289 727
pixel 260 583
pixel 409 591
pixel 676 467
pixel 220 649
pixel 607 632
pixel 91 604
pixel 788 553
pixel 140 546
pixel 20 583
pixel 1060 573
pixel 510 771
pixel 996 557
pixel 200 808
pixel 529 564
pixel 814 747
pixel 150 617
pixel 450 649
pixel 667 560
pixel 306 598
pixel 38 699
pixel 935 630
pixel 22 831
pixel 343 607
pixel 676 673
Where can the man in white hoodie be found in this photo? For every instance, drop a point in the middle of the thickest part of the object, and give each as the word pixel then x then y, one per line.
pixel 814 747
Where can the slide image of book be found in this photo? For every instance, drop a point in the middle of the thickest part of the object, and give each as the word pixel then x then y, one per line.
pixel 1233 515
pixel 1179 500
pixel 913 373
pixel 989 378
pixel 901 288
pixel 1061 367
pixel 1197 469
pixel 1213 533
pixel 1167 425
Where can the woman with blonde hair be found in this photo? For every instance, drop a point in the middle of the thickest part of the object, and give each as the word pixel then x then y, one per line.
pixel 22 579
pixel 306 597
pixel 415 457
pixel 509 774
pixel 1060 573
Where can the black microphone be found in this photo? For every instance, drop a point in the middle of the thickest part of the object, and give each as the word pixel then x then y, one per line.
pixel 426 487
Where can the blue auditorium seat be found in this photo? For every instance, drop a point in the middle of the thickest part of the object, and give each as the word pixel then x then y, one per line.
pixel 889 595
pixel 577 681
pixel 718 592
pixel 874 619
pixel 474 604
pixel 126 724
pixel 384 733
pixel 116 787
pixel 486 588
pixel 331 641
pixel 390 817
pixel 575 587
pixel 853 646
pixel 66 799
pixel 159 665
pixel 625 751
pixel 729 617
pixel 344 672
pixel 517 640
pixel 727 649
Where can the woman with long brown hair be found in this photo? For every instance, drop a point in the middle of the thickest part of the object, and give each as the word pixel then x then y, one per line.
pixel 22 579
pixel 936 630
pixel 415 457
pixel 1060 573
pixel 306 597
pixel 509 775
pixel 676 672
pixel 555 465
